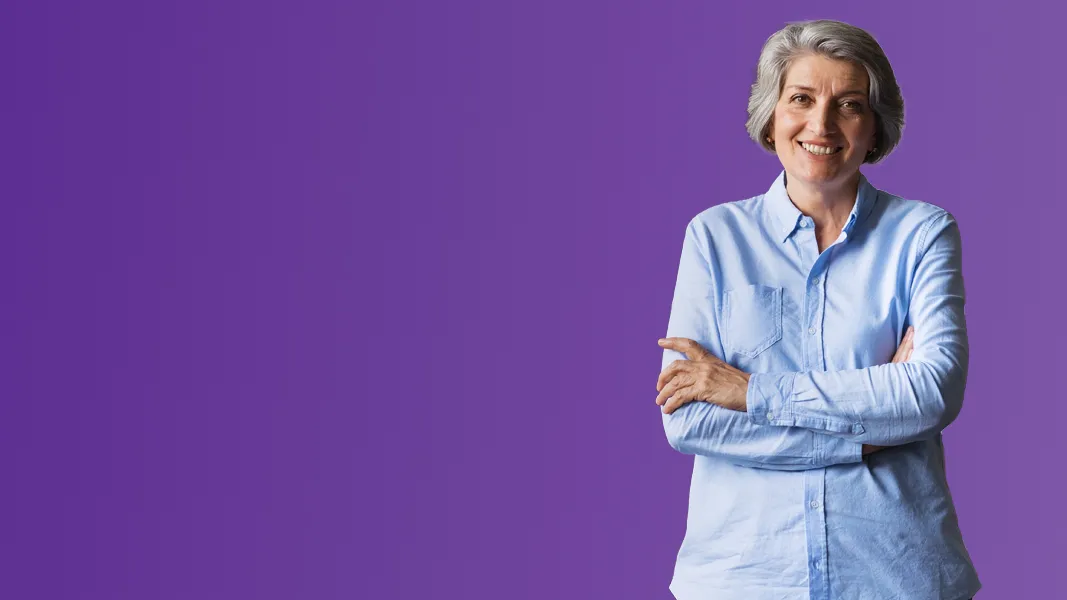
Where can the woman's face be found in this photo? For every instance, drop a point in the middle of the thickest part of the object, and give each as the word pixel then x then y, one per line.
pixel 824 102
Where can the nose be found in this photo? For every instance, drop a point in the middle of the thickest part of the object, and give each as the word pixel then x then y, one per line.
pixel 821 122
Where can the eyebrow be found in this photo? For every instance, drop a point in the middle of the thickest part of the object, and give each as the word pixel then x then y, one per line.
pixel 805 88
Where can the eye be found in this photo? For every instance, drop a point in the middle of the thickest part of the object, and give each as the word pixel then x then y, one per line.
pixel 852 105
pixel 800 98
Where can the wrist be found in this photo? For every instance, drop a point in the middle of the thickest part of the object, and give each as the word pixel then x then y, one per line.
pixel 742 403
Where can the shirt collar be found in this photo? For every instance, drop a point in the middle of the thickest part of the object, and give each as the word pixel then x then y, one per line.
pixel 788 215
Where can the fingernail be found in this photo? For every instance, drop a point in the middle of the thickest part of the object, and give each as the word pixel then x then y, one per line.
pixel 661 342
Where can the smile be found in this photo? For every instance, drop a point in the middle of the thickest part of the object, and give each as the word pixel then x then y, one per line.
pixel 820 150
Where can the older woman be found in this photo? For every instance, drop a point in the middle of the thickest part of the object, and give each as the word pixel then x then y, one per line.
pixel 817 348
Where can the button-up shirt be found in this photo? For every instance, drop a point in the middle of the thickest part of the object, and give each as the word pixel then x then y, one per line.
pixel 783 505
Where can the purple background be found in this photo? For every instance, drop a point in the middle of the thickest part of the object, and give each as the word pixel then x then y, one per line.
pixel 360 301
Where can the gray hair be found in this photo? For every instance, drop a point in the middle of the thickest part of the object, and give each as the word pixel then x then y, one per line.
pixel 836 40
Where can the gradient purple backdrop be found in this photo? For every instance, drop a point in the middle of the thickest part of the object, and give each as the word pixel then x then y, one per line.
pixel 344 300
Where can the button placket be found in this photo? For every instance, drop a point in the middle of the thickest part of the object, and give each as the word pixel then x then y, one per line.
pixel 811 357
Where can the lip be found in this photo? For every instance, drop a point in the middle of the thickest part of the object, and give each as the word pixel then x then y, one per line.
pixel 821 157
pixel 823 144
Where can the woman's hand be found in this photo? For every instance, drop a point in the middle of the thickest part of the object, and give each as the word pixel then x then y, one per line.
pixel 903 354
pixel 703 377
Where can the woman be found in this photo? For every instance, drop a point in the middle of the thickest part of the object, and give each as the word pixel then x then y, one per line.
pixel 819 470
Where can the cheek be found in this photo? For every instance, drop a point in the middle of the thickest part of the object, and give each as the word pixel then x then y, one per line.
pixel 785 126
pixel 867 130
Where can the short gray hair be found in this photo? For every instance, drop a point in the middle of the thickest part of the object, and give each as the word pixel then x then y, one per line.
pixel 836 40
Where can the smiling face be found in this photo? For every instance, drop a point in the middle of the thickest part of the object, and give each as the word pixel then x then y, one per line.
pixel 823 125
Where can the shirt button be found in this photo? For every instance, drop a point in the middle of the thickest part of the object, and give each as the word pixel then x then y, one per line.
pixel 770 416
pixel 815 281
pixel 817 565
pixel 814 504
pixel 811 330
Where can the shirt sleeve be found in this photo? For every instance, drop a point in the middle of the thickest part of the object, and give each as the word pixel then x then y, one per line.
pixel 711 430
pixel 894 403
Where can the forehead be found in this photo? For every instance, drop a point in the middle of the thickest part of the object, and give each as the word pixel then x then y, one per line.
pixel 822 73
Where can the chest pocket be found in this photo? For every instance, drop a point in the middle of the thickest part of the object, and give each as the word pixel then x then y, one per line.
pixel 753 318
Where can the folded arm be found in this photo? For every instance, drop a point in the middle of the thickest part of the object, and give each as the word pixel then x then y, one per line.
pixel 894 403
pixel 707 429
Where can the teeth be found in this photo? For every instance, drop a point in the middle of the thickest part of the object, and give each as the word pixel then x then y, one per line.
pixel 820 150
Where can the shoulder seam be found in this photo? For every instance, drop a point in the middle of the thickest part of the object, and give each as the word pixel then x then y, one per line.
pixel 920 249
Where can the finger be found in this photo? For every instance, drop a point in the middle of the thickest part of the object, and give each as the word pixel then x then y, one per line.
pixel 905 346
pixel 899 355
pixel 910 350
pixel 670 389
pixel 666 374
pixel 902 351
pixel 909 342
pixel 680 398
pixel 672 370
pixel 690 348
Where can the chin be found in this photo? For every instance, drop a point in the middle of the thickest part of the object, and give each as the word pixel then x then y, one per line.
pixel 824 177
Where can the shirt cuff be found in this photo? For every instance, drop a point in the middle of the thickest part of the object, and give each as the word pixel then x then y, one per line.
pixel 766 399
pixel 833 450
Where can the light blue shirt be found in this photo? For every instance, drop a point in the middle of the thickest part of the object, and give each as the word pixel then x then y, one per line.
pixel 782 505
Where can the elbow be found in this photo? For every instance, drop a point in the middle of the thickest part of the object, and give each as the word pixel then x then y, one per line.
pixel 677 431
pixel 951 399
pixel 946 399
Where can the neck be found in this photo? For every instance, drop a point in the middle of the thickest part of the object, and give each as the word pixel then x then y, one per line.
pixel 827 205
